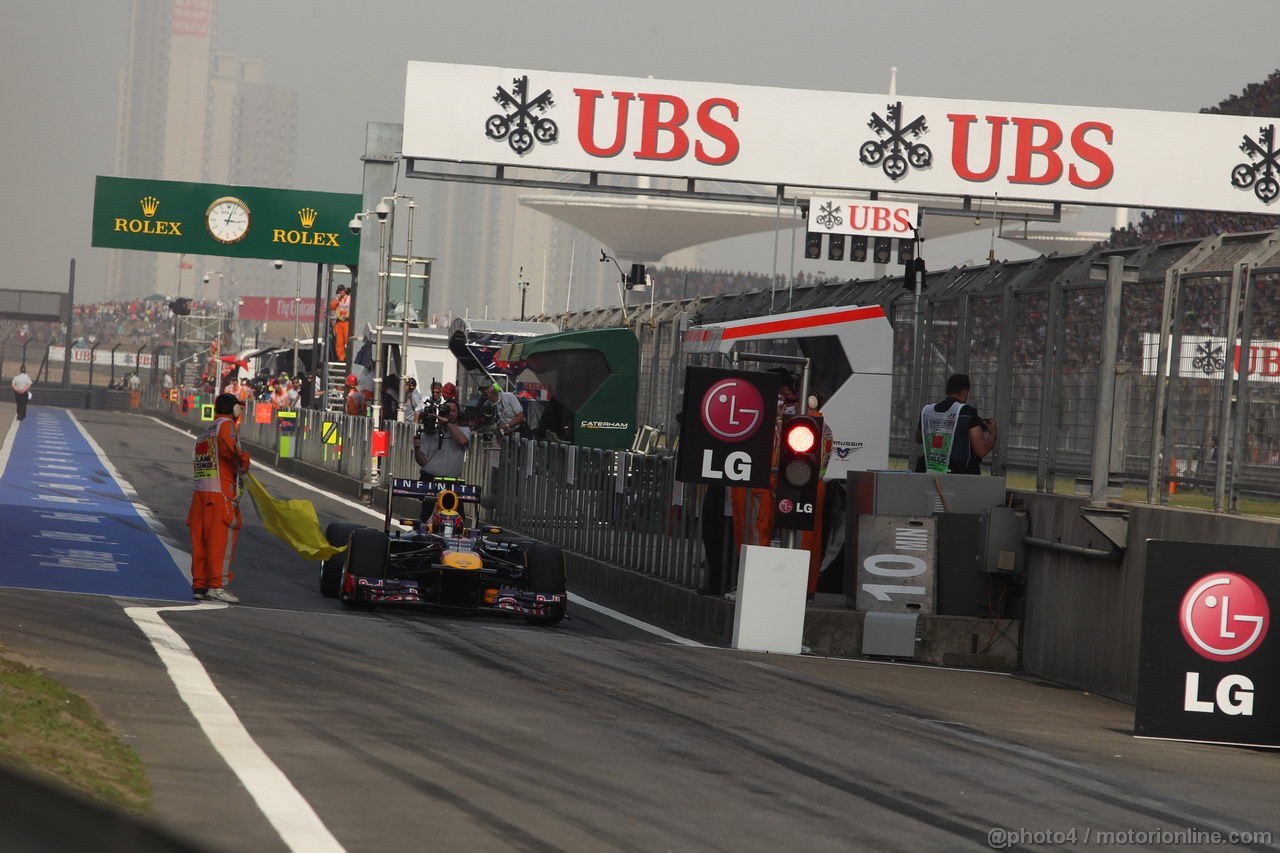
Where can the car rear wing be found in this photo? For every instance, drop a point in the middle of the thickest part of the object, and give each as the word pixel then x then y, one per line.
pixel 430 489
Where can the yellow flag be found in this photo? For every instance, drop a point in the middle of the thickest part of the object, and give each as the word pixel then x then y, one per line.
pixel 293 522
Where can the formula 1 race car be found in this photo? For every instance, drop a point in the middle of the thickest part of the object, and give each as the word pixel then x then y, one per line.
pixel 441 563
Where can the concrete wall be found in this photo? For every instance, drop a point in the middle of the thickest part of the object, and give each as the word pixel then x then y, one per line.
pixel 1083 616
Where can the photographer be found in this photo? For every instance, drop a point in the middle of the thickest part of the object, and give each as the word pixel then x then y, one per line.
pixel 510 413
pixel 440 445
pixel 953 436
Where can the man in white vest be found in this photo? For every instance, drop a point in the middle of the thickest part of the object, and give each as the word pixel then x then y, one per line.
pixel 955 438
pixel 22 391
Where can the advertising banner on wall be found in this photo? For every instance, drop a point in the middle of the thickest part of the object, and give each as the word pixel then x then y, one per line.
pixel 800 137
pixel 268 309
pixel 1205 357
pixel 223 220
pixel 1208 664
pixel 727 429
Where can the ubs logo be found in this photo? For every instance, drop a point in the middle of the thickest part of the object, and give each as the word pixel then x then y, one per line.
pixel 1224 616
pixel 732 410
pixel 517 123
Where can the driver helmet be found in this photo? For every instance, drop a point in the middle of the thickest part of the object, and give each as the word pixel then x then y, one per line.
pixel 449 391
pixel 352 381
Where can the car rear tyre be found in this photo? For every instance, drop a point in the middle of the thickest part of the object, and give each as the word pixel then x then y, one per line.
pixel 544 565
pixel 336 534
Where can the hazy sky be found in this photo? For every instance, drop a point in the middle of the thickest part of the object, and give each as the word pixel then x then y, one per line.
pixel 59 62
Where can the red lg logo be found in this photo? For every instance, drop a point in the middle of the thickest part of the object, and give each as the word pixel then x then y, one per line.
pixel 1224 616
pixel 732 410
pixel 785 505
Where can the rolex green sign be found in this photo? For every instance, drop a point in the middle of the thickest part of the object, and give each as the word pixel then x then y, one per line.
pixel 215 219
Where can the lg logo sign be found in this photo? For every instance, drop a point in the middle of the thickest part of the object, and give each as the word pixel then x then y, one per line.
pixel 1224 617
pixel 727 419
pixel 732 411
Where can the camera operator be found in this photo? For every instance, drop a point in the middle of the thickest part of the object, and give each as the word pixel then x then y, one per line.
pixel 440 445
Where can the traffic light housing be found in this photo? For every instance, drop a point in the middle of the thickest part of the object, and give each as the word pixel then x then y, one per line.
pixel 813 246
pixel 906 251
pixel 883 250
pixel 857 248
pixel 799 471
pixel 835 247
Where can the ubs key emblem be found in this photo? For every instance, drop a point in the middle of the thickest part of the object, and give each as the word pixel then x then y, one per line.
pixel 1224 617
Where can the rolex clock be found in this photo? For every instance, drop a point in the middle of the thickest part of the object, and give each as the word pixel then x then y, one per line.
pixel 227 219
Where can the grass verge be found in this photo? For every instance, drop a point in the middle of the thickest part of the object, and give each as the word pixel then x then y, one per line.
pixel 49 730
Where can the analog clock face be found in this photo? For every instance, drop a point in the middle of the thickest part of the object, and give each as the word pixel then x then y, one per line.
pixel 227 220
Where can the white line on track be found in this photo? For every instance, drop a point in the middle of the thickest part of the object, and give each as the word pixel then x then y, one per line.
pixel 634 623
pixel 7 447
pixel 286 809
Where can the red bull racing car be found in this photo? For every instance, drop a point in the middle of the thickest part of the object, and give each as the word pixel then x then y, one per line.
pixel 440 562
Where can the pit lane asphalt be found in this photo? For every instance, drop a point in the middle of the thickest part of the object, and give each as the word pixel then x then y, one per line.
pixel 410 732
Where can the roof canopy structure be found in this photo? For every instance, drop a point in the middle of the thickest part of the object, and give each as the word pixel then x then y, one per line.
pixel 645 229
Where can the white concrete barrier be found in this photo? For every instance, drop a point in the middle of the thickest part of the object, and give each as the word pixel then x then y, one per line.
pixel 769 611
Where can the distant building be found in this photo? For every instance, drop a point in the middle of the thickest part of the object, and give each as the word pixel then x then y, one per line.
pixel 189 113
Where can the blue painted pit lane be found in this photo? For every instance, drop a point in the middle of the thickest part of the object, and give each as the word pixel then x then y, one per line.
pixel 67 524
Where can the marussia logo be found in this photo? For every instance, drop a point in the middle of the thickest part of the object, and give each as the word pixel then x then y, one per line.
pixel 518 124
pixel 844 449
pixel 1260 175
pixel 891 150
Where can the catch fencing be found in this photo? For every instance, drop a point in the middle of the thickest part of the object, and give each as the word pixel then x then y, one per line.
pixel 1030 335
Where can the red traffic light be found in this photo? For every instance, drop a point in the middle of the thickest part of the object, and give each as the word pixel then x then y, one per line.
pixel 800 437
pixel 799 470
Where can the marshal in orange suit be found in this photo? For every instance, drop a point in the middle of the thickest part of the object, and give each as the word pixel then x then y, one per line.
pixel 214 516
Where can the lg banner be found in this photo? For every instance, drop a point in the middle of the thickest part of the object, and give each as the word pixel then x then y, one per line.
pixel 726 434
pixel 1209 667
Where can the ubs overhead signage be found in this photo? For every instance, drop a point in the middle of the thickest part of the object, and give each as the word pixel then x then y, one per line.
pixel 1208 664
pixel 216 219
pixel 726 434
pixel 799 137
pixel 866 218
